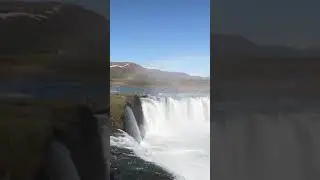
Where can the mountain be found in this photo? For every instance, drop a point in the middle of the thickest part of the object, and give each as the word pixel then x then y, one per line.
pixel 228 46
pixel 134 74
pixel 242 68
pixel 57 40
pixel 124 70
pixel 232 46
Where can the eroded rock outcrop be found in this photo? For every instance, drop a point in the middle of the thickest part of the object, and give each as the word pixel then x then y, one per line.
pixel 59 165
pixel 130 124
pixel 134 102
pixel 35 134
pixel 79 132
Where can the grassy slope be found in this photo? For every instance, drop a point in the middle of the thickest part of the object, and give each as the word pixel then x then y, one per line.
pixel 117 104
pixel 183 85
pixel 83 52
pixel 145 79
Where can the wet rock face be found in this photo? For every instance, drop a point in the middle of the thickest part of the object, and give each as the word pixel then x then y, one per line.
pixel 80 134
pixel 130 124
pixel 135 103
pixel 104 131
pixel 59 163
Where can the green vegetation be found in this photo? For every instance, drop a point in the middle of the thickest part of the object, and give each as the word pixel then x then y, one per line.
pixel 117 104
pixel 141 83
pixel 135 79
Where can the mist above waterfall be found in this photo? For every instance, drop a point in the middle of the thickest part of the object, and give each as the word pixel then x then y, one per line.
pixel 178 134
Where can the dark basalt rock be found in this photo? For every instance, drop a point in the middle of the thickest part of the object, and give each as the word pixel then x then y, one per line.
pixel 135 103
pixel 145 96
pixel 130 124
pixel 42 131
pixel 80 134
pixel 59 165
pixel 126 166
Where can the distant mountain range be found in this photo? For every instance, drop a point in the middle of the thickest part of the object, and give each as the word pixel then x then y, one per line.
pixel 134 74
pixel 243 68
pixel 235 46
pixel 52 39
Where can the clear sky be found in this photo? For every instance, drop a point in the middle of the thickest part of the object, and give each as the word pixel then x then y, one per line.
pixel 171 35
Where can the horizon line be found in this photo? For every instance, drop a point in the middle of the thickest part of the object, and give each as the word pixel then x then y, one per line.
pixel 123 66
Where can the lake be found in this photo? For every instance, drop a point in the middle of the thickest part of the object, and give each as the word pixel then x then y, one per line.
pixel 155 91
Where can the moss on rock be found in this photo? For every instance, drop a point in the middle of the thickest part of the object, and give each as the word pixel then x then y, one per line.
pixel 117 104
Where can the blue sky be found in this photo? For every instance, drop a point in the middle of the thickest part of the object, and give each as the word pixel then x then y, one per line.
pixel 171 35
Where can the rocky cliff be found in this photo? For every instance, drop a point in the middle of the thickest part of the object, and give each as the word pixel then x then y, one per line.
pixel 33 125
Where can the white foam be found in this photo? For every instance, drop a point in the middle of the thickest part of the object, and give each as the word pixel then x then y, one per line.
pixel 178 134
pixel 124 140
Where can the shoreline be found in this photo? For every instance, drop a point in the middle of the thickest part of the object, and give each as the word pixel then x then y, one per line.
pixel 200 88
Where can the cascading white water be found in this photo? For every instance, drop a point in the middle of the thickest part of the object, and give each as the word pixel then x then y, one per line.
pixel 178 134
